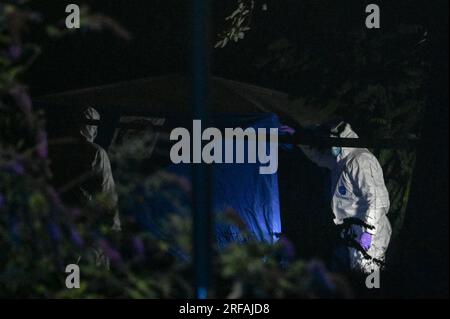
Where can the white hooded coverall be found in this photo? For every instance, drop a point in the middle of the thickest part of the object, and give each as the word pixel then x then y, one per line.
pixel 101 166
pixel 358 191
pixel 88 165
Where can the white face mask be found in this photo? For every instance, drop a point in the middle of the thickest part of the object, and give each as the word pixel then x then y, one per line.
pixel 89 132
pixel 336 151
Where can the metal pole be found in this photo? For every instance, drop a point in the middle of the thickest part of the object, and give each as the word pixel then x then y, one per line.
pixel 201 172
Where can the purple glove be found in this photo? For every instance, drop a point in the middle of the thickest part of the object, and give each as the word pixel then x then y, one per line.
pixel 287 129
pixel 365 241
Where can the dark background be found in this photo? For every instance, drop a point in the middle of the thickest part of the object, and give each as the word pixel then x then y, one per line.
pixel 161 45
pixel 161 39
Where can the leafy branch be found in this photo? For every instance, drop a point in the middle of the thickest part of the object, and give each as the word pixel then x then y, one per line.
pixel 239 22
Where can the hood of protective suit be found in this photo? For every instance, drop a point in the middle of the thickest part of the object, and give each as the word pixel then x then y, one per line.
pixel 89 131
pixel 347 132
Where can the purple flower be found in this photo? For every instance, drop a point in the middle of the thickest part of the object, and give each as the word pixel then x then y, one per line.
pixel 287 248
pixel 54 196
pixel 109 251
pixel 14 52
pixel 76 238
pixel 321 276
pixel 75 212
pixel 34 16
pixel 22 99
pixel 185 184
pixel 15 168
pixel 18 168
pixel 42 144
pixel 14 229
pixel 2 201
pixel 54 231
pixel 138 246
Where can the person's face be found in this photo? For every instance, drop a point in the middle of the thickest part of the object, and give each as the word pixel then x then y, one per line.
pixel 89 132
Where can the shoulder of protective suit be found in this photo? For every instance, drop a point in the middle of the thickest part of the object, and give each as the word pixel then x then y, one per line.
pixel 99 151
pixel 362 158
pixel 97 147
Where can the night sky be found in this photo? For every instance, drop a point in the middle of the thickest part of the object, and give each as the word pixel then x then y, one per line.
pixel 161 39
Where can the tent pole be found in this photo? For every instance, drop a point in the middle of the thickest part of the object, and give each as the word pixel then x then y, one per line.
pixel 201 172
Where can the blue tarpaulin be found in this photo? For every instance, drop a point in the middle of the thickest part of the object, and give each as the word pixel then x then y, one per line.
pixel 253 196
pixel 239 188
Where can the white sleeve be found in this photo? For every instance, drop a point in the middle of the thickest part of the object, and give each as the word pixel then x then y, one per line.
pixel 108 187
pixel 320 158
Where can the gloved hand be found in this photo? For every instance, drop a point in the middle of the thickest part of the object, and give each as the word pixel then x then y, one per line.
pixel 365 241
pixel 287 129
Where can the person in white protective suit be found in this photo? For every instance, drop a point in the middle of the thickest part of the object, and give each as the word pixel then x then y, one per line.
pixel 360 200
pixel 81 169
